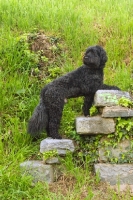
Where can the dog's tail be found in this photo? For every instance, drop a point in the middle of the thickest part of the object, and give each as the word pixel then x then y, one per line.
pixel 39 120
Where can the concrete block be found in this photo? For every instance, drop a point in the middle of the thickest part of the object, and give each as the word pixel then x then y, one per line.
pixel 53 160
pixel 117 111
pixel 109 97
pixel 62 146
pixel 38 170
pixel 94 125
pixel 115 173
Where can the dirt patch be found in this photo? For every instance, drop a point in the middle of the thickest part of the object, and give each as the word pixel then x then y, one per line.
pixel 49 51
pixel 44 45
pixel 64 185
pixel 67 185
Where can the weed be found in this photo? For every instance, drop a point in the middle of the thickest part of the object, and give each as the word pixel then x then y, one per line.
pixel 93 110
pixel 49 154
pixel 125 102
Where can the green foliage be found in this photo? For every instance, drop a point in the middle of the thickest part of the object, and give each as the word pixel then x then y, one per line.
pixel 98 179
pixel 87 150
pixel 49 154
pixel 125 102
pixel 18 57
pixel 93 111
pixel 124 131
pixel 54 72
pixel 124 128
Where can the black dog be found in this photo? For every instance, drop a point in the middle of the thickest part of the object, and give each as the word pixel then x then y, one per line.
pixel 84 81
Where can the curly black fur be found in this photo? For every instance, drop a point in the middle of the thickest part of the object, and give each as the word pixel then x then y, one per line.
pixel 84 81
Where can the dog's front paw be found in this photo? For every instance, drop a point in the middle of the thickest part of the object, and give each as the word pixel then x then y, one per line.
pixel 87 114
pixel 55 136
pixel 58 137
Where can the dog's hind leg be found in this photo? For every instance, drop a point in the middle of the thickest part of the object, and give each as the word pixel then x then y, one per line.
pixel 55 114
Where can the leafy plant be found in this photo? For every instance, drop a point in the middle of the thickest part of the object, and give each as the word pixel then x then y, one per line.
pixel 87 150
pixel 49 154
pixel 124 131
pixel 125 102
pixel 54 72
pixel 124 128
pixel 93 110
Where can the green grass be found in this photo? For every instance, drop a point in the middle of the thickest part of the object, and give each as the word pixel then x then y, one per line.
pixel 79 24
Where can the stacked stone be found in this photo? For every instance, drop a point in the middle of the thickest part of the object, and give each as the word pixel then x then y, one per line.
pixel 107 103
pixel 50 169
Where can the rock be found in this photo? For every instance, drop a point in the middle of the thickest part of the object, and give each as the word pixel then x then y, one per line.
pixel 122 147
pixel 38 170
pixel 117 111
pixel 62 146
pixel 109 97
pixel 94 125
pixel 53 160
pixel 115 173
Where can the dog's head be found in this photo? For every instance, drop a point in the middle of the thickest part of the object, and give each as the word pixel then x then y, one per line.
pixel 95 57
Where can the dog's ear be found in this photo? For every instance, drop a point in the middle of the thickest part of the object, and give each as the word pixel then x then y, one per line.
pixel 103 56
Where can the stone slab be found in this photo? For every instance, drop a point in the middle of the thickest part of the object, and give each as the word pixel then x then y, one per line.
pixel 38 170
pixel 53 160
pixel 109 97
pixel 115 173
pixel 94 125
pixel 62 146
pixel 117 111
pixel 122 147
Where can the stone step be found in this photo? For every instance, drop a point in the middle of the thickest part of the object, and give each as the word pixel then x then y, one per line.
pixel 94 125
pixel 53 160
pixel 62 146
pixel 38 170
pixel 42 172
pixel 109 97
pixel 117 111
pixel 121 174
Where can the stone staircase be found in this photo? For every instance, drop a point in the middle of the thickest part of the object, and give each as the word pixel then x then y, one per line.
pixel 107 103
pixel 105 123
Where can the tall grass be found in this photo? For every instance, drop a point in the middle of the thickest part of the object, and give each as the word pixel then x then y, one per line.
pixel 79 24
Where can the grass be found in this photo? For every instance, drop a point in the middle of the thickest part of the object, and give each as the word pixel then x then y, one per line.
pixel 79 24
